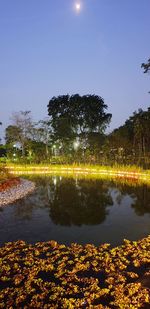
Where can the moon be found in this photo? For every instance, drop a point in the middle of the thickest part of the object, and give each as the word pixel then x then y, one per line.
pixel 78 6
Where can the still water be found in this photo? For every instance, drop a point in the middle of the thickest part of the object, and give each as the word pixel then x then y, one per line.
pixel 78 210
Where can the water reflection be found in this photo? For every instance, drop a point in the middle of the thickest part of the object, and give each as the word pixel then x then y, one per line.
pixel 72 201
pixel 78 210
pixel 140 195
pixel 79 202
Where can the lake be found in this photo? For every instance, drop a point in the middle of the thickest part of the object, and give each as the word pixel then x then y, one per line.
pixel 78 210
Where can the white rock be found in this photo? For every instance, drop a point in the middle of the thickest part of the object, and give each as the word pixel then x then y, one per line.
pixel 12 194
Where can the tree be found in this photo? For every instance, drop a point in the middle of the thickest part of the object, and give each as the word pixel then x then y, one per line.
pixel 141 124
pixel 133 138
pixel 146 66
pixel 119 143
pixel 77 116
pixel 20 131
pixel 31 138
pixel 41 138
pixel 12 134
pixel 22 121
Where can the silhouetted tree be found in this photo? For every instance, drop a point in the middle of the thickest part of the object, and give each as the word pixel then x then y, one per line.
pixel 146 66
pixel 131 141
pixel 12 134
pixel 77 116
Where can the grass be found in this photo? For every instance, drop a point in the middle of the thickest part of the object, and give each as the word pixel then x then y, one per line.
pixel 4 174
pixel 93 171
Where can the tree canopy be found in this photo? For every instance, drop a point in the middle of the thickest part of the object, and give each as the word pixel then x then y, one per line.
pixel 133 137
pixel 77 116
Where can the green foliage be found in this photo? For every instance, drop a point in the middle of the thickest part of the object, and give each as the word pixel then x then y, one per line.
pixel 74 133
pixel 4 174
pixel 131 142
pixel 13 134
pixel 79 117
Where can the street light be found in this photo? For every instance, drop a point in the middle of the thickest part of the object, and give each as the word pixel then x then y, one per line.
pixel 76 145
pixel 54 149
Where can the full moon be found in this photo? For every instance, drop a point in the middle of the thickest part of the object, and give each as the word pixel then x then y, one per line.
pixel 78 6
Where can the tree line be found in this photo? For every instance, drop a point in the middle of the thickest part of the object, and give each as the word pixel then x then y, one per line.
pixel 75 131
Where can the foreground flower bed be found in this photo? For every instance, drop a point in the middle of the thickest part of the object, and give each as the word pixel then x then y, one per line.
pixel 9 183
pixel 49 275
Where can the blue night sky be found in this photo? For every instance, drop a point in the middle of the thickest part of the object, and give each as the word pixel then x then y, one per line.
pixel 48 49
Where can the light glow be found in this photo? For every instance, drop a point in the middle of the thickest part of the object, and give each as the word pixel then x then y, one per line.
pixel 141 176
pixel 78 6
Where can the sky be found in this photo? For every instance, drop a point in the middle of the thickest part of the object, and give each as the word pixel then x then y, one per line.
pixel 47 49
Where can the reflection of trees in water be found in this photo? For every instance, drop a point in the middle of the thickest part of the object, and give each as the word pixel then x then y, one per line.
pixel 38 199
pixel 79 202
pixel 23 208
pixel 139 194
pixel 141 204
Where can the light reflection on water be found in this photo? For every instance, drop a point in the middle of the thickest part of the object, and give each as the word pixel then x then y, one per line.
pixel 78 210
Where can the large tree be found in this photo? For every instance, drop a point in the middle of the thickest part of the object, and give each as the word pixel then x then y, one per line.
pixel 76 117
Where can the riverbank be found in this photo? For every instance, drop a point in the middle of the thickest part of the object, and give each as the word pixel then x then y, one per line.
pixel 128 172
pixel 16 189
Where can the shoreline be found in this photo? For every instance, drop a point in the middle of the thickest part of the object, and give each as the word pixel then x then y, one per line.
pixel 116 172
pixel 17 192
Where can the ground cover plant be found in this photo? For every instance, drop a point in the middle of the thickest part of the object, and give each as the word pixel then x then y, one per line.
pixel 7 180
pixel 52 275
pixel 9 183
pixel 3 173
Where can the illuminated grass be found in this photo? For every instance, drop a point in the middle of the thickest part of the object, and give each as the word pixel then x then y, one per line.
pixel 4 174
pixel 129 172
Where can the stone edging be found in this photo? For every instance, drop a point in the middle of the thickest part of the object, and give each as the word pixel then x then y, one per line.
pixel 14 193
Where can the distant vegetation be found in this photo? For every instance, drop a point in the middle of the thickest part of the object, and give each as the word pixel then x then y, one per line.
pixel 75 132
